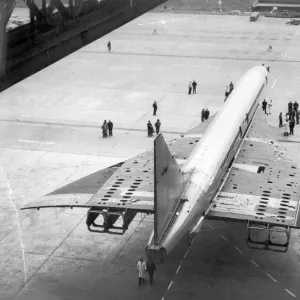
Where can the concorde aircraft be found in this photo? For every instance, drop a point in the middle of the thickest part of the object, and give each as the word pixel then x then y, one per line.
pixel 230 168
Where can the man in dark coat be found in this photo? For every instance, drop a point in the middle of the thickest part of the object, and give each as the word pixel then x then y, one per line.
pixel 292 125
pixel 231 87
pixel 295 105
pixel 110 126
pixel 280 120
pixel 226 92
pixel 293 116
pixel 264 106
pixel 157 126
pixel 108 46
pixel 297 116
pixel 104 129
pixel 203 115
pixel 194 84
pixel 290 107
pixel 154 108
pixel 150 128
pixel 206 115
pixel 151 267
pixel 190 88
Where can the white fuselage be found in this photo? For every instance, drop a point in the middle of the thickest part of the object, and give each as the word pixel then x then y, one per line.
pixel 209 161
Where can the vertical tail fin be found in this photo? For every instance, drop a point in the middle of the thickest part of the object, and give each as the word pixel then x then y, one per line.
pixel 167 187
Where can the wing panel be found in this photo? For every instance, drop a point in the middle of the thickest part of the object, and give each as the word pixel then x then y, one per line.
pixel 75 194
pixel 262 186
pixel 131 186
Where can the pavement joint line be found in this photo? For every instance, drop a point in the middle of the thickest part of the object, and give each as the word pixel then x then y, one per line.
pixel 223 237
pixel 125 244
pixel 71 126
pixel 193 240
pixel 274 83
pixel 283 58
pixel 271 277
pixel 290 293
pixel 193 56
pixel 170 284
pixel 14 178
pixel 186 253
pixel 178 269
pixel 64 152
pixel 284 55
pixel 17 214
pixel 238 249
pixel 210 226
pixel 254 263
pixel 49 256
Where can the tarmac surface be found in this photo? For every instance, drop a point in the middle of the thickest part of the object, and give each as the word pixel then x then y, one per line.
pixel 50 135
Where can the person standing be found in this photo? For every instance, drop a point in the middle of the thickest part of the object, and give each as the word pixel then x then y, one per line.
pixel 104 129
pixel 203 115
pixel 150 128
pixel 270 104
pixel 190 88
pixel 285 127
pixel 110 126
pixel 226 92
pixel 154 108
pixel 297 116
pixel 206 115
pixel 194 84
pixel 108 46
pixel 157 126
pixel 290 107
pixel 231 87
pixel 295 105
pixel 292 125
pixel 293 116
pixel 280 120
pixel 264 106
pixel 151 267
pixel 141 268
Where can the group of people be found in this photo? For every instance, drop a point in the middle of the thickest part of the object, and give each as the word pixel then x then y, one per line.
pixel 192 87
pixel 157 124
pixel 291 118
pixel 204 114
pixel 229 88
pixel 150 129
pixel 142 267
pixel 107 127
pixel 267 107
